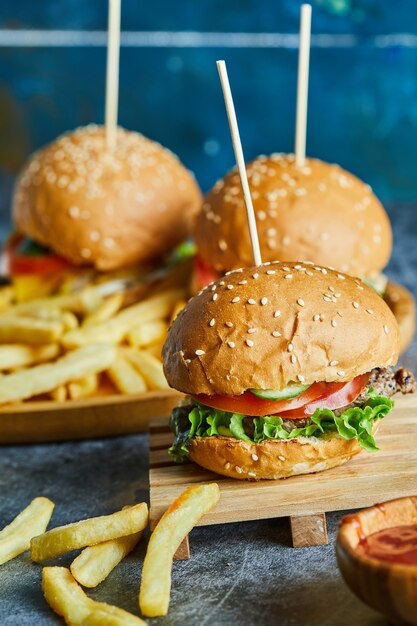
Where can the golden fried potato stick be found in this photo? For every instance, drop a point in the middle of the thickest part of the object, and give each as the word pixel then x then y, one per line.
pixel 107 309
pixel 116 328
pixel 95 563
pixel 83 387
pixel 29 330
pixel 125 377
pixel 34 519
pixel 149 366
pixel 45 378
pixel 148 333
pixel 16 355
pixel 59 394
pixel 171 530
pixel 67 599
pixel 89 532
pixel 177 308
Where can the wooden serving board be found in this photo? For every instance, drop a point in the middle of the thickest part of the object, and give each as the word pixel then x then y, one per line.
pixel 365 480
pixel 102 416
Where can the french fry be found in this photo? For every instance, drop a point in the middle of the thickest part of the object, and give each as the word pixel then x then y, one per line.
pixel 125 377
pixel 16 355
pixel 6 296
pixel 149 366
pixel 83 387
pixel 107 309
pixel 95 563
pixel 171 530
pixel 148 333
pixel 67 599
pixel 156 349
pixel 69 320
pixel 89 532
pixel 29 330
pixel 115 329
pixel 177 308
pixel 46 377
pixel 69 302
pixel 59 394
pixel 34 519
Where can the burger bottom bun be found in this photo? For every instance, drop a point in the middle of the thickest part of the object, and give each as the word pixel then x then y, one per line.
pixel 273 459
pixel 402 304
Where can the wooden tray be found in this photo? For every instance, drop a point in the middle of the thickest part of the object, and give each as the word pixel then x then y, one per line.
pixel 365 480
pixel 102 416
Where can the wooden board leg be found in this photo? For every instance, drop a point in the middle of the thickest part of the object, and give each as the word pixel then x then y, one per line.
pixel 309 530
pixel 183 552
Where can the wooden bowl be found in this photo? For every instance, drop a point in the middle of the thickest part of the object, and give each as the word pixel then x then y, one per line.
pixel 389 588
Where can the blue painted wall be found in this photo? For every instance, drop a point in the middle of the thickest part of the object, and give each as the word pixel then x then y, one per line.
pixel 363 85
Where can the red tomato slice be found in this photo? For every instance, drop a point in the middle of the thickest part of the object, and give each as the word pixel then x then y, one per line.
pixel 318 395
pixel 16 263
pixel 338 398
pixel 248 404
pixel 204 273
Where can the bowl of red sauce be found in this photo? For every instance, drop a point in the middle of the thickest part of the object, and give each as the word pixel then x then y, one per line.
pixel 377 555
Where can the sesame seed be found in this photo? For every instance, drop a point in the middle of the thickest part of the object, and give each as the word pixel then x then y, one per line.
pixel 85 253
pixel 236 299
pixel 290 347
pixel 285 241
pixel 386 329
pixel 199 352
pixel 286 269
pixel 341 276
pixel 275 333
pixel 277 313
pixel 255 457
pixel 251 301
pixel 238 469
pixel 340 373
pixel 288 276
pixel 249 343
pixel 94 235
pixel 281 458
pixel 264 301
pixel 331 288
pixel 229 324
pixel 271 272
pixel 316 318
pixel 327 299
pixel 74 212
pixel 231 344
pixel 251 330
pixel 251 475
pixel 355 305
pixel 243 282
pixel 212 322
pixel 222 245
pixel 255 275
pixel 370 311
pixel 323 270
pixel 334 323
pixel 293 359
pixel 333 363
pixel 301 378
pixel 300 301
pixel 215 296
pixel 261 215
pixel 221 283
pixel 230 286
pixel 187 361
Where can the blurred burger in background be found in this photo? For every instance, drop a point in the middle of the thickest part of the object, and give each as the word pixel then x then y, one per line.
pixel 319 213
pixel 83 211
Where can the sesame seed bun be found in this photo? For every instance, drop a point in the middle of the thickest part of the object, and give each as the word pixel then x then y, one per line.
pixel 105 208
pixel 272 459
pixel 268 326
pixel 319 213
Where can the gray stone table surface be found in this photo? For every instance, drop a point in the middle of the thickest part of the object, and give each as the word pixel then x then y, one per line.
pixel 238 573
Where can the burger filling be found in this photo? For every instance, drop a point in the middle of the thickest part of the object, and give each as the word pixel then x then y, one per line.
pixel 325 412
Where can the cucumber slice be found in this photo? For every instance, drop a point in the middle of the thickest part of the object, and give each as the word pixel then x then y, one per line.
pixel 292 391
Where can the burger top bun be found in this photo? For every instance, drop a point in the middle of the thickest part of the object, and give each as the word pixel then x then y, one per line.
pixel 268 326
pixel 102 207
pixel 318 213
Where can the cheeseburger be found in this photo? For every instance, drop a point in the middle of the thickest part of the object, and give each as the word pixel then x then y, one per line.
pixel 79 204
pixel 287 367
pixel 319 212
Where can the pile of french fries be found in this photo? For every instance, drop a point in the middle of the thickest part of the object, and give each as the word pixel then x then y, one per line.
pixel 105 541
pixel 83 343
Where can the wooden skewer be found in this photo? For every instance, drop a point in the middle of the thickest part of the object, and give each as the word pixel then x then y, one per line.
pixel 240 161
pixel 302 85
pixel 112 73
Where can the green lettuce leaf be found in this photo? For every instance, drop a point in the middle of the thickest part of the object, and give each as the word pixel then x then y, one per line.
pixel 198 420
